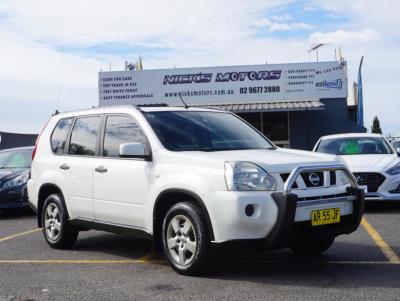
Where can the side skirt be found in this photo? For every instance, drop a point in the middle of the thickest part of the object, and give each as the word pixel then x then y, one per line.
pixel 85 224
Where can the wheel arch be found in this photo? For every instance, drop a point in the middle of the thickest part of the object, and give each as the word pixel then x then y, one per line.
pixel 168 198
pixel 44 191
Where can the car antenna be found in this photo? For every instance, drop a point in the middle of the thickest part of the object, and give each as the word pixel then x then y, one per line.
pixel 184 103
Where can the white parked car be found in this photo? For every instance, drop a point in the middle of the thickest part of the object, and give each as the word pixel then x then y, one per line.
pixel 396 145
pixel 371 158
pixel 190 179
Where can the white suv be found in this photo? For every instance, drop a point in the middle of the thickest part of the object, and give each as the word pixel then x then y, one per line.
pixel 190 179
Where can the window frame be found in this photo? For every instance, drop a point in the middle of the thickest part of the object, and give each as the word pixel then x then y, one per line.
pixel 147 157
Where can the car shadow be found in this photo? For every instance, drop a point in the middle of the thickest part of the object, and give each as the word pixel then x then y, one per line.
pixel 126 247
pixel 331 269
pixel 382 207
pixel 345 265
pixel 311 274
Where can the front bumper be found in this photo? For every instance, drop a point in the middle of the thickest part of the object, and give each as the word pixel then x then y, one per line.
pixel 283 218
pixel 382 196
pixel 286 231
pixel 15 197
pixel 388 190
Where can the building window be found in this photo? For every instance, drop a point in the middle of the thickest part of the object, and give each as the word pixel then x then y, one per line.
pixel 253 118
pixel 276 127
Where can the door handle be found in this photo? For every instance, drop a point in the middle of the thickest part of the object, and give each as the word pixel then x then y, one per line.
pixel 100 169
pixel 64 166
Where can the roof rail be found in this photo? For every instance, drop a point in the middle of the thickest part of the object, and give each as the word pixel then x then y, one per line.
pixel 152 105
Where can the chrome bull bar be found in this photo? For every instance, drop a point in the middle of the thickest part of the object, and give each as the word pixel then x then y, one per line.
pixel 317 168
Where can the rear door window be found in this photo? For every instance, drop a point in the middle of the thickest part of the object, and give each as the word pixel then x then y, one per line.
pixel 84 136
pixel 119 130
pixel 59 136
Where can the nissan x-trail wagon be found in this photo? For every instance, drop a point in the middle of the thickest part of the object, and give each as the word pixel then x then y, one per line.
pixel 190 180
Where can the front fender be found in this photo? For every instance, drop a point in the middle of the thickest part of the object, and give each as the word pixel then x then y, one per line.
pixel 195 184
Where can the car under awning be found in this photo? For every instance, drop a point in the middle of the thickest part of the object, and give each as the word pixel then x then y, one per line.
pixel 275 106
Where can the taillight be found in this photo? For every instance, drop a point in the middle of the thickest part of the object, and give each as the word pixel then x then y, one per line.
pixel 37 140
pixel 34 150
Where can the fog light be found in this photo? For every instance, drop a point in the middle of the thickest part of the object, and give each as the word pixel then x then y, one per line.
pixel 249 210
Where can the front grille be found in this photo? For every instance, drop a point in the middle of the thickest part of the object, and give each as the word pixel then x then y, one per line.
pixel 322 197
pixel 313 179
pixel 310 181
pixel 370 179
pixel 285 176
pixel 332 175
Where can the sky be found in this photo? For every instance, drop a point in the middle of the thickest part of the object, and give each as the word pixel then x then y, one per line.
pixel 52 50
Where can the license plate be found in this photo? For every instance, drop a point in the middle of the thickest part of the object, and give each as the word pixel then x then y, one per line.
pixel 325 216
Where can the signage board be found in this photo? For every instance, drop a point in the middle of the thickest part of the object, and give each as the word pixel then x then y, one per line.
pixel 220 85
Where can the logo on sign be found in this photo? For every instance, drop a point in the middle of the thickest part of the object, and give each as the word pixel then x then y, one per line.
pixel 314 179
pixel 330 84
pixel 221 77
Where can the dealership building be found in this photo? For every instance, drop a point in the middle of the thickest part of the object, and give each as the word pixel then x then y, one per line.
pixel 292 104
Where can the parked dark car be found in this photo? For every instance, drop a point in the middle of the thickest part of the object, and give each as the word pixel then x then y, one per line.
pixel 15 165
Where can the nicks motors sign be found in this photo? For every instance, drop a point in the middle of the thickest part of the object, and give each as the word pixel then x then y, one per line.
pixel 221 77
pixel 217 85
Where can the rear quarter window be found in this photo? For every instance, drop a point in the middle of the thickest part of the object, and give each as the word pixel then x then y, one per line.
pixel 59 136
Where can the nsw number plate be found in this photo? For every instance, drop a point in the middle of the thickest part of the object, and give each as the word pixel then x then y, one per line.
pixel 325 216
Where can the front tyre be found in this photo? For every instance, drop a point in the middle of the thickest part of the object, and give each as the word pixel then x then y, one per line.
pixel 58 233
pixel 312 247
pixel 185 238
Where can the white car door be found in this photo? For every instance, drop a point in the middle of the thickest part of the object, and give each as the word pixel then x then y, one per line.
pixel 121 185
pixel 78 166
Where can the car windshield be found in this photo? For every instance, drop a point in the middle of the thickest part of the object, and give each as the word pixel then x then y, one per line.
pixel 204 131
pixel 16 159
pixel 354 146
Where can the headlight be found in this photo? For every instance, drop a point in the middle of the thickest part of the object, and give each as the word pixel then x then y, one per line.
pixel 17 181
pixel 395 170
pixel 247 176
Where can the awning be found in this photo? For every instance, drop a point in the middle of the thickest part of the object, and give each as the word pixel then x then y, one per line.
pixel 281 106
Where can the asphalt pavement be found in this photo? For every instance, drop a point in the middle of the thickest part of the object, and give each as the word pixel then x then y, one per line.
pixel 362 266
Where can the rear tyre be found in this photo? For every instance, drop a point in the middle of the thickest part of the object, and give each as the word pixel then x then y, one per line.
pixel 58 233
pixel 186 241
pixel 312 247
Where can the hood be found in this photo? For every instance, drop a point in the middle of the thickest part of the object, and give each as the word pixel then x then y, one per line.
pixel 9 173
pixel 279 160
pixel 370 162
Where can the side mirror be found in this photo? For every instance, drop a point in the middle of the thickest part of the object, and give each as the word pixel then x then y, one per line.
pixel 132 150
pixel 398 151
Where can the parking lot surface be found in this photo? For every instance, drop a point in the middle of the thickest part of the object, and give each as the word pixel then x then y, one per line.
pixel 362 266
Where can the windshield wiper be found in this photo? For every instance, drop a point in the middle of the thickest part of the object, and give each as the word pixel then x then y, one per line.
pixel 214 149
pixel 219 149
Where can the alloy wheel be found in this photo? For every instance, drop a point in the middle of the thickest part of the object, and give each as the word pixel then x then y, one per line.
pixel 181 240
pixel 52 222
